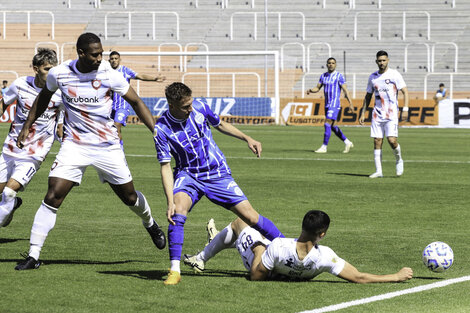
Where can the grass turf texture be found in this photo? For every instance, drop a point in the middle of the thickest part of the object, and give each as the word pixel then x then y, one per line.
pixel 99 258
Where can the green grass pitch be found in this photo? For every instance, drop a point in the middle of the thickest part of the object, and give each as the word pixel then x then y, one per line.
pixel 99 258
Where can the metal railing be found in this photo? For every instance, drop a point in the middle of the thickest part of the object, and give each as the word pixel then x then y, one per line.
pixel 451 82
pixel 10 72
pixel 352 4
pixel 169 44
pixel 224 4
pixel 233 74
pixel 195 44
pixel 404 14
pixel 255 22
pixel 153 13
pixel 308 51
pixel 428 55
pixel 28 14
pixel 456 55
pixel 49 43
pixel 293 44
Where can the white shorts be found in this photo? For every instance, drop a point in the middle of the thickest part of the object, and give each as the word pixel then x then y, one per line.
pixel 21 170
pixel 72 160
pixel 245 240
pixel 388 128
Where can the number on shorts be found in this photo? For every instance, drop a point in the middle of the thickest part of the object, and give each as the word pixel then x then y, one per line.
pixel 30 172
pixel 179 181
pixel 247 242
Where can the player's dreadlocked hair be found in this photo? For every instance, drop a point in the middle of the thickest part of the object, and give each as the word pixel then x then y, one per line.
pixel 315 222
pixel 176 92
pixel 85 40
pixel 45 55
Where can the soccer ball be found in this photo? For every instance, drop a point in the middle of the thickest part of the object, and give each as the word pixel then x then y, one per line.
pixel 438 256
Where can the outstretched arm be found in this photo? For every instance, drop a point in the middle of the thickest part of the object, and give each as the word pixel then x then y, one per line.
pixel 39 106
pixel 350 273
pixel 140 108
pixel 364 107
pixel 258 270
pixel 229 129
pixel 159 78
pixel 314 90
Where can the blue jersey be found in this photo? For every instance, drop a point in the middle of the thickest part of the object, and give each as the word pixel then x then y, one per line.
pixel 190 142
pixel 332 83
pixel 118 101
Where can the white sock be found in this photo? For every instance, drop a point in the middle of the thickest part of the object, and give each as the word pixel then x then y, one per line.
pixel 223 240
pixel 378 160
pixel 175 266
pixel 142 209
pixel 397 152
pixel 44 222
pixel 7 204
pixel 347 141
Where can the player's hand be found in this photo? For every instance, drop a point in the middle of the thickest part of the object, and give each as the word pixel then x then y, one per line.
pixel 60 131
pixel 404 116
pixel 255 146
pixel 405 274
pixel 160 78
pixel 22 137
pixel 308 91
pixel 361 119
pixel 170 211
pixel 350 109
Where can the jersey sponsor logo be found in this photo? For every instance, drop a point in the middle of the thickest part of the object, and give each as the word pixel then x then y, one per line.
pixel 80 99
pixel 95 83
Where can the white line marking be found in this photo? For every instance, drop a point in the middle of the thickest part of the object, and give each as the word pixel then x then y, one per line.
pixel 318 159
pixel 389 295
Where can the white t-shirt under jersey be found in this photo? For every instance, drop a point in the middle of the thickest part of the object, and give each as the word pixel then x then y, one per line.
pixel 281 258
pixel 41 134
pixel 385 89
pixel 88 100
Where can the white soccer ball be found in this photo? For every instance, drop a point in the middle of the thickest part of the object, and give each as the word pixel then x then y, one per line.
pixel 438 256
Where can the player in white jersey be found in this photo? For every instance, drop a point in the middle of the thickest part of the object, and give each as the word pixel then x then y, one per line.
pixel 90 139
pixel 385 84
pixel 18 166
pixel 288 258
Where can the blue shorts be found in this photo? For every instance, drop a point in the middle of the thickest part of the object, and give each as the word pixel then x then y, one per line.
pixel 332 113
pixel 120 116
pixel 223 191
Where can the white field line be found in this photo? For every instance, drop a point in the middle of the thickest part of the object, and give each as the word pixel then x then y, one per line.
pixel 317 159
pixel 389 295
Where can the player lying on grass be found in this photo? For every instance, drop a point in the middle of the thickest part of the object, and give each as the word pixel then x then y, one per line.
pixel 287 258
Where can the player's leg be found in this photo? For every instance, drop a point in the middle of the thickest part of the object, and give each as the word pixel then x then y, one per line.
pixel 138 204
pixel 377 132
pixel 391 132
pixel 347 143
pixel 326 136
pixel 9 202
pixel 44 220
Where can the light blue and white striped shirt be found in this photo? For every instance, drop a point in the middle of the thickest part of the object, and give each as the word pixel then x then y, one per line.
pixel 332 83
pixel 118 101
pixel 191 143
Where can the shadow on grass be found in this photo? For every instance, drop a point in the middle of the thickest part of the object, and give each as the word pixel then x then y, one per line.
pixel 427 278
pixel 7 240
pixel 79 262
pixel 160 275
pixel 349 174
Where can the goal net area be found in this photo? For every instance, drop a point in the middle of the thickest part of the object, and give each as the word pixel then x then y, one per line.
pixel 241 86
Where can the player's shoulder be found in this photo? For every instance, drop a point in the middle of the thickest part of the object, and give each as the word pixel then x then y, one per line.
pixel 283 242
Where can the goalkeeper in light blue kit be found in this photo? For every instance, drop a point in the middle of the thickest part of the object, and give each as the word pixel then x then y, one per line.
pixel 201 169
pixel 333 82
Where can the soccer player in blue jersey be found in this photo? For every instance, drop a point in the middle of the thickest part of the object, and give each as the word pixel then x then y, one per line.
pixel 333 82
pixel 120 106
pixel 201 169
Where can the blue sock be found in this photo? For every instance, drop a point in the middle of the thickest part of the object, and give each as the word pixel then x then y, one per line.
pixel 338 133
pixel 122 144
pixel 267 228
pixel 176 236
pixel 326 136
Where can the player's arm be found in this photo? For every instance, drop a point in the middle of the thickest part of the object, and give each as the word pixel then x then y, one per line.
pixel 365 104
pixel 39 106
pixel 350 273
pixel 406 98
pixel 145 77
pixel 347 96
pixel 258 270
pixel 315 90
pixel 229 129
pixel 167 181
pixel 3 106
pixel 140 108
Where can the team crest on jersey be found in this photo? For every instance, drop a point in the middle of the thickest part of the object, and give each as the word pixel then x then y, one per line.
pixel 387 81
pixel 96 83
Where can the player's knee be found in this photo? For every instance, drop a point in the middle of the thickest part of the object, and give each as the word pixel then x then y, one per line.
pixel 53 199
pixel 130 199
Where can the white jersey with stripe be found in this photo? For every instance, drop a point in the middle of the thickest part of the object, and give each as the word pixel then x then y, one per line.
pixel 281 259
pixel 41 134
pixel 88 100
pixel 385 87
